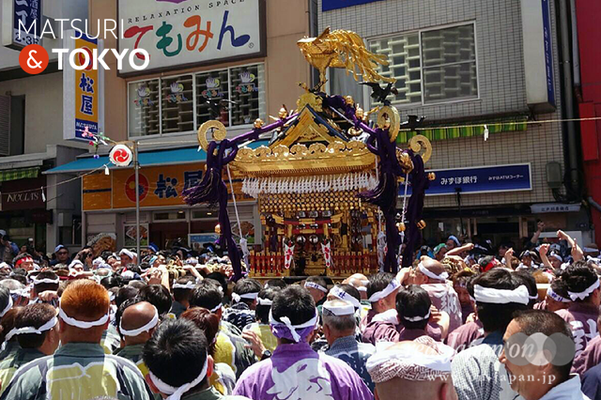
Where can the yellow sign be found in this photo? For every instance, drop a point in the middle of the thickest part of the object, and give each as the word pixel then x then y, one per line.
pixel 86 88
pixel 158 186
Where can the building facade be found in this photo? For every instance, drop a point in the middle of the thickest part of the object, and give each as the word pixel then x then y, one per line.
pixel 45 208
pixel 473 68
pixel 235 61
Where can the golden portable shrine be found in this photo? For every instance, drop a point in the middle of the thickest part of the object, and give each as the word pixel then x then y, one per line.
pixel 327 182
pixel 306 183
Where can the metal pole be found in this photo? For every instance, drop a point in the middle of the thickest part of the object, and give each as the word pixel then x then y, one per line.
pixel 137 174
pixel 458 190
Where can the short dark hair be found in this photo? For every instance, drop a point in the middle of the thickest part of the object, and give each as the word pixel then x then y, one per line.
pixel 496 317
pixel 560 287
pixel 350 290
pixel 33 315
pixel 124 293
pixel 530 282
pixel 262 311
pixel 548 323
pixel 158 296
pixel 111 281
pixel 413 301
pixel 220 279
pixel 4 297
pixel 276 282
pixel 378 282
pixel 7 323
pixel 295 303
pixel 247 285
pixel 183 294
pixel 42 287
pixel 319 280
pixel 136 284
pixel 176 353
pixel 121 309
pixel 206 295
pixel 579 277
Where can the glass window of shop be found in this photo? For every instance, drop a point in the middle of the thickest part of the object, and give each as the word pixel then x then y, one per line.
pixel 431 66
pixel 179 104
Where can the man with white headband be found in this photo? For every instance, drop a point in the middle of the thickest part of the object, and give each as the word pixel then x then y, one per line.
pixel 230 347
pixel 127 257
pixel 339 326
pixel 556 297
pixel 535 372
pixel 36 331
pixel 136 324
pixel 43 282
pixel 295 369
pixel 381 292
pixel 432 276
pixel 413 306
pixel 585 294
pixel 499 294
pixel 182 291
pixel 244 302
pixel 178 362
pixel 79 369
pixel 318 288
pixel 416 370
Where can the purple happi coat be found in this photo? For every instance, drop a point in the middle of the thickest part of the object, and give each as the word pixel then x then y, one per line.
pixel 445 298
pixel 468 335
pixel 390 330
pixel 582 319
pixel 589 358
pixel 296 372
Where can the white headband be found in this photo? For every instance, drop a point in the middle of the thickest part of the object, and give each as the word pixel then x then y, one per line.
pixel 75 262
pixel 188 285
pixel 361 288
pixel 9 305
pixel 111 296
pixel 315 286
pixel 264 302
pixel 135 332
pixel 175 393
pixel 82 324
pixel 557 257
pixel 128 253
pixel 30 329
pixel 247 296
pixel 556 297
pixel 292 328
pixel 344 296
pixel 339 310
pixel 501 296
pixel 392 286
pixel 45 280
pixel 216 308
pixel 443 276
pixel 583 295
pixel 435 362
pixel 417 318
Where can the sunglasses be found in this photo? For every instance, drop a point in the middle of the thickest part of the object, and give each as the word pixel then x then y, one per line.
pixel 62 252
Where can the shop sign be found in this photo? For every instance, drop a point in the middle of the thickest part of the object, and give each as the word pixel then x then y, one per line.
pixel 23 194
pixel 178 33
pixel 158 186
pixel 82 92
pixel 327 5
pixel 489 179
pixel 554 208
pixel 19 19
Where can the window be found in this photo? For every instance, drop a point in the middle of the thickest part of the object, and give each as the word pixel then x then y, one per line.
pixel 431 66
pixel 234 96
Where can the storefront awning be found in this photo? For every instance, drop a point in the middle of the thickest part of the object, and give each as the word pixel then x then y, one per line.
pixel 21 173
pixel 148 158
pixel 461 130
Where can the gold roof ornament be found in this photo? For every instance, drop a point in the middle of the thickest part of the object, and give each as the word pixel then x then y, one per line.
pixel 342 49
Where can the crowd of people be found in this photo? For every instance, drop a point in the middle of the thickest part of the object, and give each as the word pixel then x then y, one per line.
pixel 173 325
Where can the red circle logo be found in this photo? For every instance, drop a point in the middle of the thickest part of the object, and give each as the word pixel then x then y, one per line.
pixel 130 187
pixel 33 59
pixel 82 60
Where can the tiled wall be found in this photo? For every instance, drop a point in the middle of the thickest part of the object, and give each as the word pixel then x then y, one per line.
pixel 501 87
